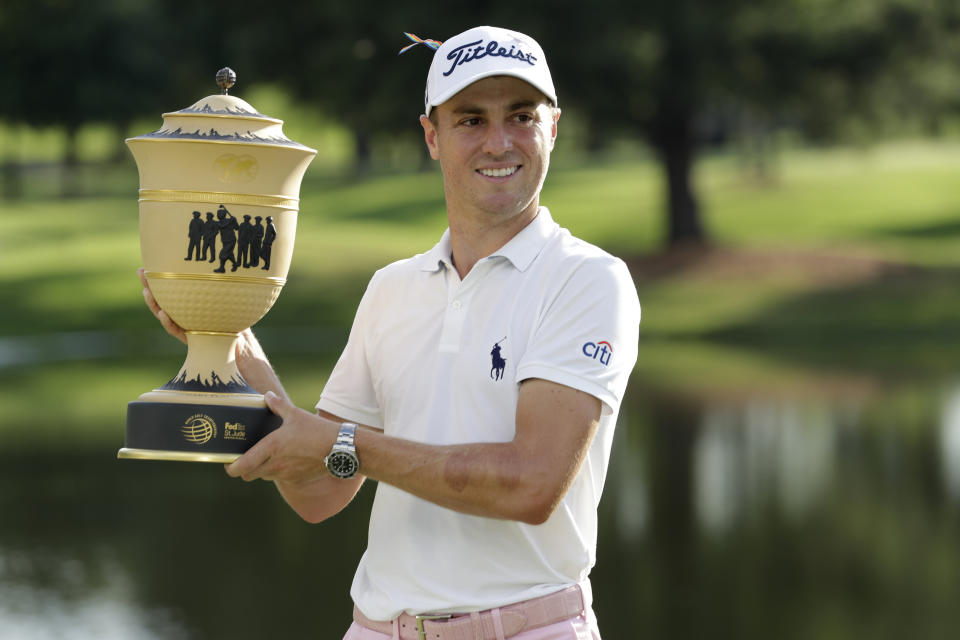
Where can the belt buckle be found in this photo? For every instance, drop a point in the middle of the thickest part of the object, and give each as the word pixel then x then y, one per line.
pixel 421 634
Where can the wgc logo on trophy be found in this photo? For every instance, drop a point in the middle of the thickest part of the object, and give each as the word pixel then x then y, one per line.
pixel 219 197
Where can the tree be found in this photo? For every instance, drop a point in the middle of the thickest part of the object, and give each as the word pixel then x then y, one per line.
pixel 664 69
pixel 69 64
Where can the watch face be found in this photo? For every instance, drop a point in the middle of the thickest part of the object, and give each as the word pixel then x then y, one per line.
pixel 342 464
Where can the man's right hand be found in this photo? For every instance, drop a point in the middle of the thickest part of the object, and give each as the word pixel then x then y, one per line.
pixel 172 327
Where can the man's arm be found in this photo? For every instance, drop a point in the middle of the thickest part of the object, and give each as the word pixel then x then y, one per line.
pixel 524 479
pixel 310 490
pixel 315 497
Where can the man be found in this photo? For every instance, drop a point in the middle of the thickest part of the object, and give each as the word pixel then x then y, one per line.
pixel 245 238
pixel 195 233
pixel 266 248
pixel 257 242
pixel 484 523
pixel 228 227
pixel 210 229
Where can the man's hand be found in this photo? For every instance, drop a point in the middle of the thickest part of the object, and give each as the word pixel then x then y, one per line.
pixel 292 454
pixel 166 321
pixel 292 457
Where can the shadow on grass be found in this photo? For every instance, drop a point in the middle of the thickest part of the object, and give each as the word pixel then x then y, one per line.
pixel 939 230
pixel 87 301
pixel 406 198
pixel 896 325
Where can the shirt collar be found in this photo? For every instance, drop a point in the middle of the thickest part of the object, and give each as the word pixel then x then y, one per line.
pixel 521 250
pixel 439 256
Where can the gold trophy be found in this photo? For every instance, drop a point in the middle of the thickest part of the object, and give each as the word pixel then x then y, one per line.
pixel 219 196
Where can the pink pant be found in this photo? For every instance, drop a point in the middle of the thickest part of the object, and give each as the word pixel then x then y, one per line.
pixel 579 628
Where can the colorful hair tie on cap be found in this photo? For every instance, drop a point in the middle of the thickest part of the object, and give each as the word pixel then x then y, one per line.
pixel 433 44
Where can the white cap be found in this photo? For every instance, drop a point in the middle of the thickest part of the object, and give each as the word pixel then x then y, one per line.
pixel 480 53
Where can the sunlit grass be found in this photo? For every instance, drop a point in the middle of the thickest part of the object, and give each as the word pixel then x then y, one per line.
pixel 69 266
pixel 892 199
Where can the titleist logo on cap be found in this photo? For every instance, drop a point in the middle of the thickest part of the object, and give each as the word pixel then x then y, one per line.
pixel 475 50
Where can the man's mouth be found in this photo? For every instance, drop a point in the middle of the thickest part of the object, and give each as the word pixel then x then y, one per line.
pixel 499 173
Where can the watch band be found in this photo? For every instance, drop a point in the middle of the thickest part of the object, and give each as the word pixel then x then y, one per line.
pixel 342 460
pixel 347 433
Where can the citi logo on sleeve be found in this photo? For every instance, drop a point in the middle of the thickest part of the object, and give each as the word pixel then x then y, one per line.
pixel 598 351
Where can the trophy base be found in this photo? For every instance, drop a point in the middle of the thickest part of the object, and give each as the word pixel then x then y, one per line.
pixel 194 432
pixel 127 453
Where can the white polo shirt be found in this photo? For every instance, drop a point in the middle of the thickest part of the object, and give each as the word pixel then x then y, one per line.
pixel 438 360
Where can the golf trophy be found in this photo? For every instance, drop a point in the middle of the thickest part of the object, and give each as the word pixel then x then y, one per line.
pixel 219 196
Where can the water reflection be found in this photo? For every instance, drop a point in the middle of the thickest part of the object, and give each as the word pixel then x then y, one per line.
pixel 950 443
pixel 764 452
pixel 792 518
pixel 59 599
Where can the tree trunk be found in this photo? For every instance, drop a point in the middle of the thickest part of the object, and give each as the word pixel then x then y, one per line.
pixel 12 169
pixel 362 152
pixel 70 177
pixel 684 225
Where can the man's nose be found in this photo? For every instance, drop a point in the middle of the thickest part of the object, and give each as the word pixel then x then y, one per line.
pixel 498 139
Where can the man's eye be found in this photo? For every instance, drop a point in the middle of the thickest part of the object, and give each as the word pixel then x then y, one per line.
pixel 470 122
pixel 524 117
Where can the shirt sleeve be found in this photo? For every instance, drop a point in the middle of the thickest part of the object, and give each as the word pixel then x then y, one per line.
pixel 587 337
pixel 349 392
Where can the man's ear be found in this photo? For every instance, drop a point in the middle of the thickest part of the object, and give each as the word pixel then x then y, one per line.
pixel 430 136
pixel 553 127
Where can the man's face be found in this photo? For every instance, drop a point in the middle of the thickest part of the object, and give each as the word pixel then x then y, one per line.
pixel 493 141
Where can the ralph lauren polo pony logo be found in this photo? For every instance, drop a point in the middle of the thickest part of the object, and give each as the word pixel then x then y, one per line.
pixel 498 363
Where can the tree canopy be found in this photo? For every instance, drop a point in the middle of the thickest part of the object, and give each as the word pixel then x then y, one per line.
pixel 678 74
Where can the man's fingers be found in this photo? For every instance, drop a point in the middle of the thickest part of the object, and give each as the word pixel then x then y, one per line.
pixel 165 320
pixel 172 327
pixel 249 466
pixel 279 405
pixel 151 301
pixel 246 465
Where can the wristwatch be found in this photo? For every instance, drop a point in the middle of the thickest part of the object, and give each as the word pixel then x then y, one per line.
pixel 342 460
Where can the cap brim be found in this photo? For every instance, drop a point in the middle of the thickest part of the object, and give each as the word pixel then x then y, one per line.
pixel 446 95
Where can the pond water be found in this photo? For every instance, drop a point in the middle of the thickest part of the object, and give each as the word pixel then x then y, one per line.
pixel 755 517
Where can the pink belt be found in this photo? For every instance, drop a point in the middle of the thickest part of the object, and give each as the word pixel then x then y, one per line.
pixel 493 624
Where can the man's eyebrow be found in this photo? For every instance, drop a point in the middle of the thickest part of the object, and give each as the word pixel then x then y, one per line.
pixel 525 104
pixel 476 109
pixel 468 108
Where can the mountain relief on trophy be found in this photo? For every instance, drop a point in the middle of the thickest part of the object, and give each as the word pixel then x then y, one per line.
pixel 211 383
pixel 244 244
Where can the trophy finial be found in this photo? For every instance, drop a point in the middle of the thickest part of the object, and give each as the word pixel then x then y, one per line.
pixel 226 78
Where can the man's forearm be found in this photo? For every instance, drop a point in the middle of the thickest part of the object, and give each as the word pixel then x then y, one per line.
pixel 524 479
pixel 318 500
pixel 465 478
pixel 494 480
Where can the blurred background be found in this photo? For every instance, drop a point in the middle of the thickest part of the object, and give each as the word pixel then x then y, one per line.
pixel 781 176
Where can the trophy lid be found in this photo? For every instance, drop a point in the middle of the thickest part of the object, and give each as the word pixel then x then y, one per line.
pixel 223 118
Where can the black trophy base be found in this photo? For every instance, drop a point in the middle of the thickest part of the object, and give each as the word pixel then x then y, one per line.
pixel 194 432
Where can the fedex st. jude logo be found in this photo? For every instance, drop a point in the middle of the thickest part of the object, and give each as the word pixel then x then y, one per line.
pixel 601 351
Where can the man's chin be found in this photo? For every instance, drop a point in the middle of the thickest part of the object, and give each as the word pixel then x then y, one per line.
pixel 507 207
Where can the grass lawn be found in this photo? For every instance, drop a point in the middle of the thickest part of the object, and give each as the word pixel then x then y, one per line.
pixel 845 262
